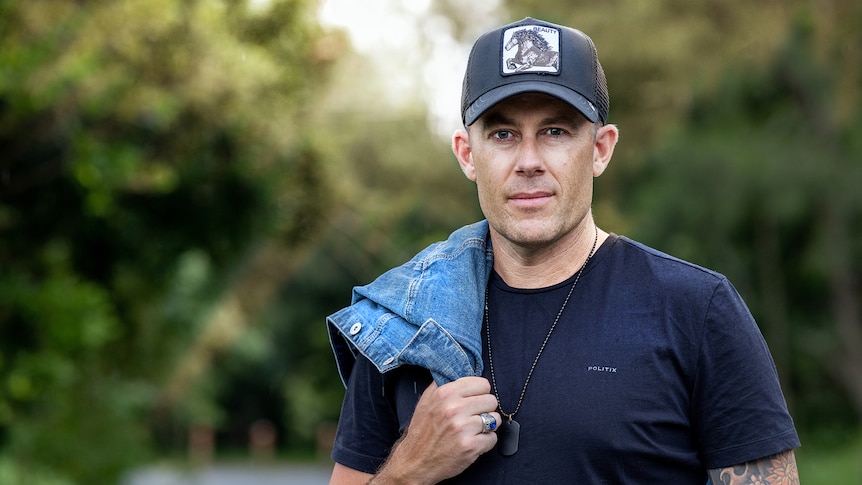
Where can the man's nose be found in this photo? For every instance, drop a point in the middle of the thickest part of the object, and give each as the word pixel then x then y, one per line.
pixel 529 158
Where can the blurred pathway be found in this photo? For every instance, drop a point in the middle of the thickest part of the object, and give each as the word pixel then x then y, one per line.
pixel 232 475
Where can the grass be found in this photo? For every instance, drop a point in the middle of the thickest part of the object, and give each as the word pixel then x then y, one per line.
pixel 834 465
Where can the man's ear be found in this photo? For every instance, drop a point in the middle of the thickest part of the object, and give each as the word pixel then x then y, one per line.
pixel 464 154
pixel 606 140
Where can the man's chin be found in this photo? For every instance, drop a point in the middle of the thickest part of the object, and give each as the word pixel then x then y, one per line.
pixel 529 236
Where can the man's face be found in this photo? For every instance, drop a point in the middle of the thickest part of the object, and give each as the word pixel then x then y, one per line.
pixel 533 158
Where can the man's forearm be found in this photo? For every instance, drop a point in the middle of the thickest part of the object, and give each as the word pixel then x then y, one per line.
pixel 780 468
pixel 397 469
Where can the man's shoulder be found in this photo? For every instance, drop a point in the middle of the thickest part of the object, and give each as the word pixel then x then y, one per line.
pixel 639 258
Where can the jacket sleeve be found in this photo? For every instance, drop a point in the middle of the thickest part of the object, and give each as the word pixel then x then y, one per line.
pixel 426 312
pixel 428 345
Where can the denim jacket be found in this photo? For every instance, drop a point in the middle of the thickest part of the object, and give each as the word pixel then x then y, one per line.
pixel 426 312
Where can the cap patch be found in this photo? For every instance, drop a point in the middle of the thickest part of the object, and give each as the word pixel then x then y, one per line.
pixel 531 48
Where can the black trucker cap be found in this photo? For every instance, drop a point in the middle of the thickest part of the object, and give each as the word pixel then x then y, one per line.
pixel 534 56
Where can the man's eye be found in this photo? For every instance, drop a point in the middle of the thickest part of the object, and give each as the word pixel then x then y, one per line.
pixel 502 135
pixel 556 131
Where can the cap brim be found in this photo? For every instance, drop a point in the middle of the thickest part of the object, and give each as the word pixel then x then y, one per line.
pixel 494 96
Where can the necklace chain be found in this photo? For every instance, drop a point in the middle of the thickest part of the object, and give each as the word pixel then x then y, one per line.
pixel 510 416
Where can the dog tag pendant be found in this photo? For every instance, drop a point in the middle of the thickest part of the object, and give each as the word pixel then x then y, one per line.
pixel 507 437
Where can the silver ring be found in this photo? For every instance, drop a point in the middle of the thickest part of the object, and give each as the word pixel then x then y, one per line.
pixel 489 423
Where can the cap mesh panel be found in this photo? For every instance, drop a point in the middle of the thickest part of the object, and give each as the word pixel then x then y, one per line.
pixel 602 99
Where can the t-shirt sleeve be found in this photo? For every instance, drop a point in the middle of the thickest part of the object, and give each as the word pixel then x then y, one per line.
pixel 740 410
pixel 368 425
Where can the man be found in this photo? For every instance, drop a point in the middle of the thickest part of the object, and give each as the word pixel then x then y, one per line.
pixel 534 347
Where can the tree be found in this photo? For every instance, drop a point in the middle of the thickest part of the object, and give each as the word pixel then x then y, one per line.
pixel 146 147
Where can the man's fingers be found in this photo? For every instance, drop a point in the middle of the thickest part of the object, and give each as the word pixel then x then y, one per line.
pixel 494 421
pixel 464 387
pixel 475 385
pixel 472 395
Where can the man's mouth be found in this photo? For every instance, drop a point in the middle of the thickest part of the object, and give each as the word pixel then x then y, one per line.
pixel 530 199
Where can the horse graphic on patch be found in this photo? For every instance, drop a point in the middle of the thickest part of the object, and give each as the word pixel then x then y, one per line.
pixel 538 49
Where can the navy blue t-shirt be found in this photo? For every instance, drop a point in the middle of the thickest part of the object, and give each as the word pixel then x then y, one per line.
pixel 655 373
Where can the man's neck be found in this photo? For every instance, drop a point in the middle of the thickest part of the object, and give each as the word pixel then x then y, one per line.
pixel 546 266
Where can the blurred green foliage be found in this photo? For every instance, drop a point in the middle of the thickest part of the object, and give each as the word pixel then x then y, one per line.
pixel 831 464
pixel 145 146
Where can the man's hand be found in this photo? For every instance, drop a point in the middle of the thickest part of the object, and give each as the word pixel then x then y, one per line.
pixel 445 434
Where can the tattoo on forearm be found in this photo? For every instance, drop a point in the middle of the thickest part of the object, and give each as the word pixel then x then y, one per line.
pixel 777 469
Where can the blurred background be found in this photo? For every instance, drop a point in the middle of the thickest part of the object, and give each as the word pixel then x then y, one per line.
pixel 188 187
